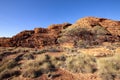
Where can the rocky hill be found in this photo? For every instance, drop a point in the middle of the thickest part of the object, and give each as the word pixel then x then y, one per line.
pixel 91 31
pixel 88 29
pixel 39 37
pixel 112 26
pixel 86 50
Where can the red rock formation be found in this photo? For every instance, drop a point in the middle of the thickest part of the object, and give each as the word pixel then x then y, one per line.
pixel 39 37
pixel 112 26
pixel 3 41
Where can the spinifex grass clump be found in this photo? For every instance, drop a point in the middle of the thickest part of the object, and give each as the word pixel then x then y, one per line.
pixel 9 73
pixel 7 64
pixel 109 68
pixel 41 65
pixel 81 63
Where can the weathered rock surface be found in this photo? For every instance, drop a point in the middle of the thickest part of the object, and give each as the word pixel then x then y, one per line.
pixel 40 37
pixel 112 26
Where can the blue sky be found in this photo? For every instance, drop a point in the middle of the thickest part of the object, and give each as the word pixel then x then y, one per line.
pixel 19 15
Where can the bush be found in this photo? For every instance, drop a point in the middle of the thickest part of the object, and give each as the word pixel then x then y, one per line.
pixel 53 50
pixel 82 44
pixel 28 56
pixel 11 64
pixel 32 73
pixel 43 58
pixel 9 73
pixel 6 53
pixel 8 64
pixel 81 64
pixel 41 51
pixel 109 68
pixel 73 31
pixel 80 37
pixel 47 67
pixel 99 30
pixel 38 67
pixel 19 57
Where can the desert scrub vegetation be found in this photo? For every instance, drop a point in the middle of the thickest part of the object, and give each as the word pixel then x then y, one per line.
pixel 28 56
pixel 81 64
pixel 80 37
pixel 8 68
pixel 31 73
pixel 74 31
pixel 41 65
pixel 46 49
pixel 109 67
pixel 99 30
pixel 8 64
pixel 6 53
pixel 8 74
pixel 84 37
pixel 39 51
pixel 30 64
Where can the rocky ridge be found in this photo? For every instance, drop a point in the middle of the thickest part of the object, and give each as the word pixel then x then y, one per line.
pixel 37 38
pixel 41 37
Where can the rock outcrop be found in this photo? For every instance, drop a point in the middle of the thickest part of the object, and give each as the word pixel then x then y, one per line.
pixel 41 37
pixel 112 26
pixel 3 41
pixel 37 38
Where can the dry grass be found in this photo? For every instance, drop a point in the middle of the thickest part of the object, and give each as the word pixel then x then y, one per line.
pixel 31 65
pixel 8 64
pixel 109 68
pixel 81 63
pixel 9 73
pixel 40 65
